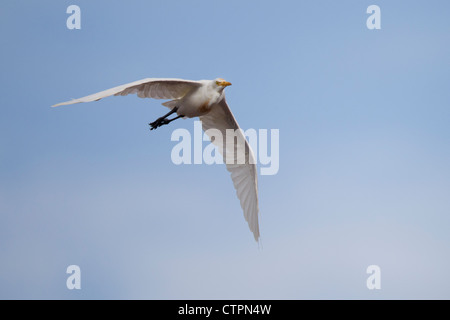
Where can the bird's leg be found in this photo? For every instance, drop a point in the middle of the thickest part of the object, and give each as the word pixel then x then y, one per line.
pixel 163 120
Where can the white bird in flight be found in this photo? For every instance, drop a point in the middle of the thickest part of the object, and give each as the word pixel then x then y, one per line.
pixel 204 99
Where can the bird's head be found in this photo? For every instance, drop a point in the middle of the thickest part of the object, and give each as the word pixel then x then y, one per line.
pixel 221 83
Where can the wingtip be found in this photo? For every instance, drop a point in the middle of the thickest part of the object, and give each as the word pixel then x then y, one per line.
pixel 260 246
pixel 257 236
pixel 60 104
pixel 73 101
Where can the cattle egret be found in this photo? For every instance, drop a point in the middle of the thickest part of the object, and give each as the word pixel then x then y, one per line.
pixel 204 99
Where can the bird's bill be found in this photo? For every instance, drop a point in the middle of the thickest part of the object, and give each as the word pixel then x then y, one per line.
pixel 223 83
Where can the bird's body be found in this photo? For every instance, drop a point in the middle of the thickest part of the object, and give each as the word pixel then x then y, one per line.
pixel 204 99
pixel 197 102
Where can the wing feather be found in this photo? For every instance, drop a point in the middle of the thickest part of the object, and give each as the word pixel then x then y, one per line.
pixel 243 173
pixel 156 88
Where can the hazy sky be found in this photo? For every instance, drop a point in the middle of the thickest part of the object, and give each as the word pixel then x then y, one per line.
pixel 364 176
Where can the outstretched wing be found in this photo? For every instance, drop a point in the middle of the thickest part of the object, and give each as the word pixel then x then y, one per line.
pixel 157 88
pixel 241 166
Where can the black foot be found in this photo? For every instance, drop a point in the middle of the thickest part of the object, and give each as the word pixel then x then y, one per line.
pixel 158 123
pixel 163 120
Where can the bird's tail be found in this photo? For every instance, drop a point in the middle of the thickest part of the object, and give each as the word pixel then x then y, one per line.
pixel 171 104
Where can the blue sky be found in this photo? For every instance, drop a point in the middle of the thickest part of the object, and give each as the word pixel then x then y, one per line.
pixel 364 151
